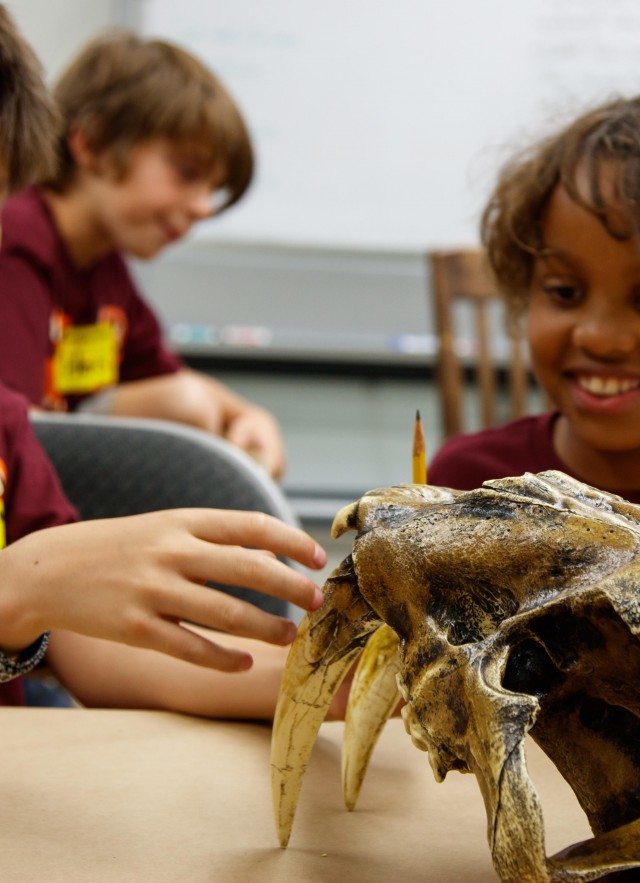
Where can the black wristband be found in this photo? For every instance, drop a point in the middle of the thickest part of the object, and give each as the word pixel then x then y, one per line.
pixel 13 666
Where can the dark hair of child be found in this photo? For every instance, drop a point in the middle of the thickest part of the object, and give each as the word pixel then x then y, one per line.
pixel 27 115
pixel 512 222
pixel 123 90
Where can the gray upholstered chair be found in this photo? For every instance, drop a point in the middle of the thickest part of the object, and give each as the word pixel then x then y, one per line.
pixel 112 466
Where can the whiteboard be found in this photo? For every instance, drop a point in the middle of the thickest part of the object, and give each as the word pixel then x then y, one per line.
pixel 380 124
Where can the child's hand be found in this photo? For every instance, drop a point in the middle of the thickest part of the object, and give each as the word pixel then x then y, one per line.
pixel 197 400
pixel 256 432
pixel 134 580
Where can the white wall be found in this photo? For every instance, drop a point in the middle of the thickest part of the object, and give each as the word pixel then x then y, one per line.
pixel 389 133
pixel 382 123
pixel 58 28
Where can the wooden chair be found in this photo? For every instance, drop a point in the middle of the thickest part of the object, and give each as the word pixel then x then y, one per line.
pixel 460 277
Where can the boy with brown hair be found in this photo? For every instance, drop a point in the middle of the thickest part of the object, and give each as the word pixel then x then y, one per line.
pixel 150 143
pixel 104 594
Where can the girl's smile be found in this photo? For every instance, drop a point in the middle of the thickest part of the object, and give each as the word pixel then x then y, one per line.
pixel 606 387
pixel 601 393
pixel 584 337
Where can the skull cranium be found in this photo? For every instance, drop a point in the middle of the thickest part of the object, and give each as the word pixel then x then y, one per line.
pixel 508 610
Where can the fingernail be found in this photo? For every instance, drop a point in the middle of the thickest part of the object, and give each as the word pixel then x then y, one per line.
pixel 319 557
pixel 318 600
pixel 290 633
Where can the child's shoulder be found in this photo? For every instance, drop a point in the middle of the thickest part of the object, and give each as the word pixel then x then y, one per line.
pixel 466 461
pixel 27 225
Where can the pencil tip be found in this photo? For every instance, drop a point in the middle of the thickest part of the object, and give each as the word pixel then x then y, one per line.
pixel 417 413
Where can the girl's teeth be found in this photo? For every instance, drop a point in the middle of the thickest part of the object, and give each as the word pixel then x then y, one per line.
pixel 607 386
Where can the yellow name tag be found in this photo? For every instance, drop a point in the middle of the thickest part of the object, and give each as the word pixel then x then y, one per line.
pixel 85 359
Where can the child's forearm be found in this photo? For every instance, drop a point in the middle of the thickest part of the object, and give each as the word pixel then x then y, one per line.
pixel 101 674
pixel 104 674
pixel 186 397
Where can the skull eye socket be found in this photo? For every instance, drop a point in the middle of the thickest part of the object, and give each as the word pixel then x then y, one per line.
pixel 530 670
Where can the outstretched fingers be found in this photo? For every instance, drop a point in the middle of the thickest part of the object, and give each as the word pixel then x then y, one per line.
pixel 215 609
pixel 257 529
pixel 254 570
pixel 220 555
pixel 174 639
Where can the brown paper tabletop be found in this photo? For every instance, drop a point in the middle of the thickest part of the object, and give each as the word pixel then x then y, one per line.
pixel 151 797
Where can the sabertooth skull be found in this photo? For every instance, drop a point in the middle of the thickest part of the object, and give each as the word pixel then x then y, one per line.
pixel 510 609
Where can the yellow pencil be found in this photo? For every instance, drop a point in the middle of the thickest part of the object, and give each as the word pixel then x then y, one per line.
pixel 419 453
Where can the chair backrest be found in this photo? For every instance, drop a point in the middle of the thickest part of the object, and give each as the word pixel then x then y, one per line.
pixel 459 278
pixel 112 466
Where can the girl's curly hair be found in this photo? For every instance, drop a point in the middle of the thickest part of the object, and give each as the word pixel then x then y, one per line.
pixel 512 222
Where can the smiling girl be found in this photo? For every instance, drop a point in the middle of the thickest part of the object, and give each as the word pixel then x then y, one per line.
pixel 562 234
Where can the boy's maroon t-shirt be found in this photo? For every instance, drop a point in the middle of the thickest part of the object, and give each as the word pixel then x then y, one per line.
pixel 42 290
pixel 31 495
pixel 464 462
